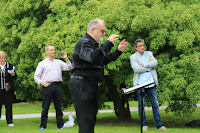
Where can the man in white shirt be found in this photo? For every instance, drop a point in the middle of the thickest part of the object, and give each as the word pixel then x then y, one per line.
pixel 49 74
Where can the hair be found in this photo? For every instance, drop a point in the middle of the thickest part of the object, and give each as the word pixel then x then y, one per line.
pixel 47 46
pixel 94 23
pixel 137 41
pixel 2 53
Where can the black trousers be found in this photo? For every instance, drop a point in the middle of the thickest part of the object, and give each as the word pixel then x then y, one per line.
pixel 6 97
pixel 52 91
pixel 84 95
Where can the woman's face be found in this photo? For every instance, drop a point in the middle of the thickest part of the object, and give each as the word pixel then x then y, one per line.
pixel 2 60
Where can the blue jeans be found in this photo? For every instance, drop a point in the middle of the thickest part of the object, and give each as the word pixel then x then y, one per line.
pixel 152 95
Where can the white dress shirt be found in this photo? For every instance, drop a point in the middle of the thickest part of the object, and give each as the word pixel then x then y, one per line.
pixel 50 71
pixel 2 67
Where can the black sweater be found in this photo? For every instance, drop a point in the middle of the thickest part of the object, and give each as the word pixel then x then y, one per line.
pixel 89 58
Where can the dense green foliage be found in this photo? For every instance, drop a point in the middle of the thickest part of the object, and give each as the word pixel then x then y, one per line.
pixel 171 29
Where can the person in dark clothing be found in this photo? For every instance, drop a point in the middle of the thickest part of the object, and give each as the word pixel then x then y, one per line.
pixel 7 87
pixel 87 72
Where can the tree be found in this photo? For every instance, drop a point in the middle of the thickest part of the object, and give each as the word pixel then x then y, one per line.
pixel 170 28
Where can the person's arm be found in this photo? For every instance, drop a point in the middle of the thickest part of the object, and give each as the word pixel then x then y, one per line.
pixel 66 66
pixel 13 74
pixel 38 74
pixel 152 63
pixel 114 55
pixel 88 54
pixel 138 68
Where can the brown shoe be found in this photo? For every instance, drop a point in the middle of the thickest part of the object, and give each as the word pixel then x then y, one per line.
pixel 144 128
pixel 163 128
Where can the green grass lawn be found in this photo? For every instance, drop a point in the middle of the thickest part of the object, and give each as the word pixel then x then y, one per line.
pixel 106 122
pixel 32 107
pixel 36 107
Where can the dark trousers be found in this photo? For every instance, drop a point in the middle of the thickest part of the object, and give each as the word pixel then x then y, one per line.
pixel 6 97
pixel 84 95
pixel 52 91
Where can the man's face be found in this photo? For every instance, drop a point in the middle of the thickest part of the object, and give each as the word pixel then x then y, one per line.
pixel 51 51
pixel 140 47
pixel 2 60
pixel 99 32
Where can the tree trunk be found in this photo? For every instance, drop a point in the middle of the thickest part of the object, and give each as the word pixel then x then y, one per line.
pixel 121 105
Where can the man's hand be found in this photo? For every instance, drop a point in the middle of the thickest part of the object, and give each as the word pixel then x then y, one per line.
pixel 64 56
pixel 151 60
pixel 45 84
pixel 113 38
pixel 123 44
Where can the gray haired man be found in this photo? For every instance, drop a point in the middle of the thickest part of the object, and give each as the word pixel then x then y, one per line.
pixel 88 63
pixel 144 66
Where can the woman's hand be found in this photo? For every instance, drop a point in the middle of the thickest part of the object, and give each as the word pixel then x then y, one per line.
pixel 13 74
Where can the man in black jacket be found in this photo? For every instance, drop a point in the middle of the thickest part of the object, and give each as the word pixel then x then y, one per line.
pixel 87 71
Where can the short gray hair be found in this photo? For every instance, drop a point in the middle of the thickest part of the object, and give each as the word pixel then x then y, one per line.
pixel 94 23
pixel 137 41
pixel 47 46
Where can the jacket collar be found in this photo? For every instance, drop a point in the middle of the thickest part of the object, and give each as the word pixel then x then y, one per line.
pixel 92 40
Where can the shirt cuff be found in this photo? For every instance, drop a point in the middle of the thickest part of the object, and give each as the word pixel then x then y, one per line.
pixel 39 82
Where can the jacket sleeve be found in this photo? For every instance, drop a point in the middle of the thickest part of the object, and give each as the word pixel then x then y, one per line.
pixel 111 56
pixel 151 64
pixel 87 53
pixel 136 66
pixel 10 68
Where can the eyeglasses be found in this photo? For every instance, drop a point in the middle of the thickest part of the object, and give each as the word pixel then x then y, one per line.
pixel 142 46
pixel 139 46
pixel 102 31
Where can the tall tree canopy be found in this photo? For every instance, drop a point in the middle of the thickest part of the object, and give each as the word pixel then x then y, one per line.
pixel 170 28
